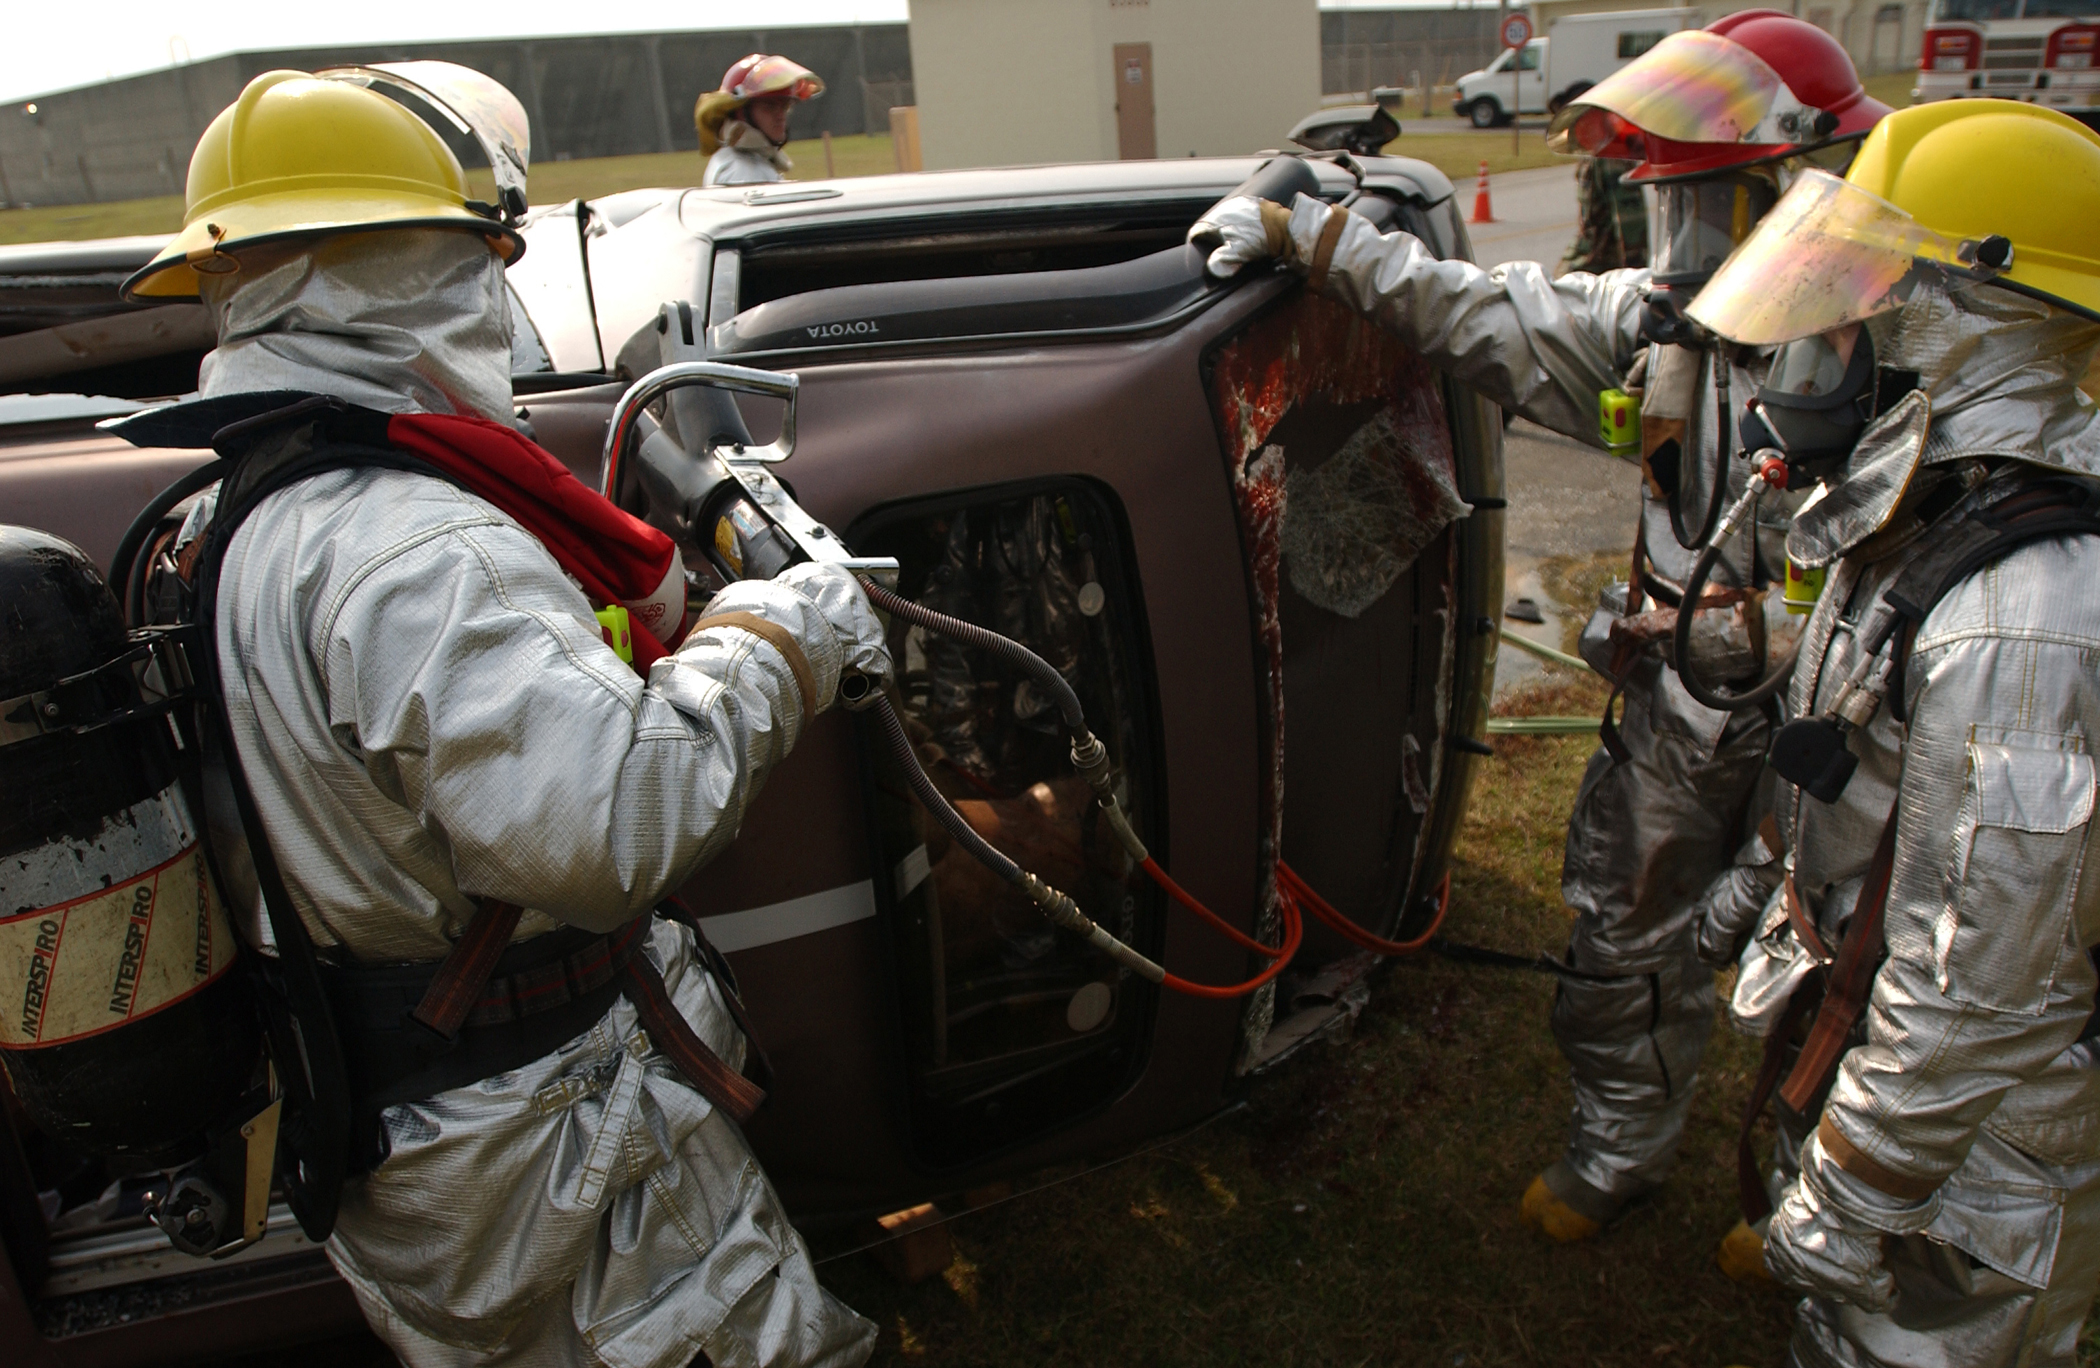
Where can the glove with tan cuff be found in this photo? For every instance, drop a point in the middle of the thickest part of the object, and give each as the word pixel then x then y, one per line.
pixel 1243 229
pixel 1826 1237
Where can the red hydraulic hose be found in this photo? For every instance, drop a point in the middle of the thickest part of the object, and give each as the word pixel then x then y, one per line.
pixel 1091 759
pixel 1291 888
pixel 1286 877
pixel 1293 935
pixel 1218 923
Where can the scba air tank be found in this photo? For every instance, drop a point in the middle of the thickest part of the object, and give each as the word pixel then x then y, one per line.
pixel 124 1029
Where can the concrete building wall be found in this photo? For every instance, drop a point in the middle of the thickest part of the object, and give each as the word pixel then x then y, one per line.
pixel 119 140
pixel 1233 75
pixel 591 96
pixel 1009 82
pixel 1228 76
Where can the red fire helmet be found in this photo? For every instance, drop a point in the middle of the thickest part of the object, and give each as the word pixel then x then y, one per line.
pixel 1752 87
pixel 760 74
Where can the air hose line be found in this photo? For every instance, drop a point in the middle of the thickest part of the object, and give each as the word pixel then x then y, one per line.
pixel 1771 471
pixel 1055 905
pixel 970 634
pixel 1090 758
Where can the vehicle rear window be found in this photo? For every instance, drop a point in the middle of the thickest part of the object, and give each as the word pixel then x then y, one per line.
pixel 1123 294
pixel 1014 1027
pixel 946 248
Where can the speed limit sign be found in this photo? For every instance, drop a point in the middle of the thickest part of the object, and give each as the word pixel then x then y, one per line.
pixel 1516 31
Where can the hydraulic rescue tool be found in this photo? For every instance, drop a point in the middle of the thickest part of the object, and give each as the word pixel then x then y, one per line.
pixel 697 475
pixel 713 491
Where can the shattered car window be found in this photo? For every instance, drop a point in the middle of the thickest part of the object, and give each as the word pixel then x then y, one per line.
pixel 1011 1021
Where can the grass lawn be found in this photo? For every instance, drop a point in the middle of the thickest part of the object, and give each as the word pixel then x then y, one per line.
pixel 1458 155
pixel 1892 88
pixel 552 183
pixel 81 222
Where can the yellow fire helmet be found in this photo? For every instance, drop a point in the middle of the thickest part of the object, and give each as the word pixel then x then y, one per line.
pixel 308 156
pixel 1959 193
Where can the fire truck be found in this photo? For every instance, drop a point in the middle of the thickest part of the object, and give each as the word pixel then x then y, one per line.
pixel 2040 51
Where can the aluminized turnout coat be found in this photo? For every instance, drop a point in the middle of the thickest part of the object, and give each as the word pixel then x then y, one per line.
pixel 1966 1120
pixel 423 708
pixel 1648 833
pixel 427 714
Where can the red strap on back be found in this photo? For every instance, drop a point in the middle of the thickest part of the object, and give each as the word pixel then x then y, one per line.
pixel 616 556
pixel 457 985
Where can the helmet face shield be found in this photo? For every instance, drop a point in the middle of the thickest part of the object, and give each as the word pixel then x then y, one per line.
pixel 1828 254
pixel 1692 87
pixel 1699 222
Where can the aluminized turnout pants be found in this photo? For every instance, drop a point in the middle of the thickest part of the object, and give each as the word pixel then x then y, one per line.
pixel 1647 835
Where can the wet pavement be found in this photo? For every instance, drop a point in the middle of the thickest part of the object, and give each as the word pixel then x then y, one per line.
pixel 1565 498
pixel 1534 216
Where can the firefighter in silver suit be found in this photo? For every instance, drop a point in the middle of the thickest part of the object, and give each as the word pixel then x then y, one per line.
pixel 438 728
pixel 1937 1184
pixel 1662 806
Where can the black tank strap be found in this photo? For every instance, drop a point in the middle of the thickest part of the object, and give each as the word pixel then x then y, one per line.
pixel 2054 506
pixel 270 452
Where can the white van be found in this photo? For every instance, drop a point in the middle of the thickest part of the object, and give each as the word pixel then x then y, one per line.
pixel 1581 50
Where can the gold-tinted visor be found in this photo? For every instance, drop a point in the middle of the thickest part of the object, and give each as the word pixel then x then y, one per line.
pixel 1692 87
pixel 1828 254
pixel 1699 222
pixel 779 76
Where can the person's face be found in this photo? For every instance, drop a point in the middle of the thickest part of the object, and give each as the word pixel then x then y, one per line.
pixel 769 115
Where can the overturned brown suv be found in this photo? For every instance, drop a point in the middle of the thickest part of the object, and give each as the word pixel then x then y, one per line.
pixel 1258 536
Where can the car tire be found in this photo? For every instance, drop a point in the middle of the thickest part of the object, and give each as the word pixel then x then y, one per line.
pixel 1485 113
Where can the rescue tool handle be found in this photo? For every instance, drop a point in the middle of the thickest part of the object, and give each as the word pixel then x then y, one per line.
pixel 781 385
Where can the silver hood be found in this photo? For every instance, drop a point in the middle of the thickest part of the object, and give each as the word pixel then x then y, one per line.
pixel 404 321
pixel 1998 377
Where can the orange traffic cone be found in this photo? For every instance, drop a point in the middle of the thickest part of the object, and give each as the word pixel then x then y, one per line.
pixel 1483 212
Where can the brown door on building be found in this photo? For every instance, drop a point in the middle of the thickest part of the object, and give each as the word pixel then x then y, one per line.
pixel 1134 133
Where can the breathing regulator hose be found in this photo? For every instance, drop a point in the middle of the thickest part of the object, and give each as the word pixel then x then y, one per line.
pixel 1090 758
pixel 1771 471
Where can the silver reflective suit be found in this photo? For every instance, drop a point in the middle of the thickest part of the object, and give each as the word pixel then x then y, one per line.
pixel 426 712
pixel 1946 1206
pixel 745 158
pixel 1648 833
